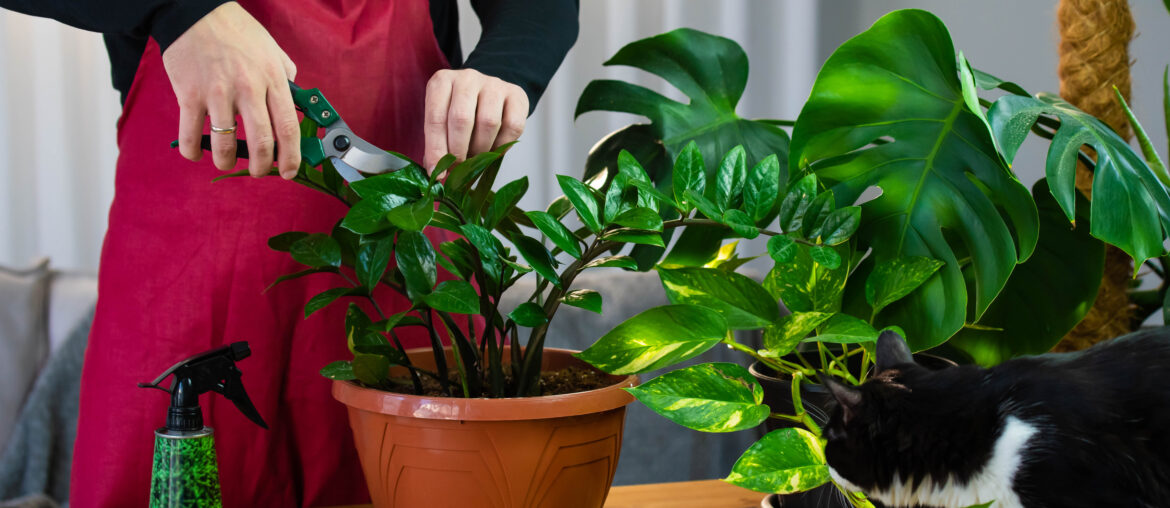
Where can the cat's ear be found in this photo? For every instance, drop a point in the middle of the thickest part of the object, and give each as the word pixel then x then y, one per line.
pixel 891 351
pixel 848 397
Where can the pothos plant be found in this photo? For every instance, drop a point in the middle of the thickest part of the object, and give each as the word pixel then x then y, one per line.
pixel 954 251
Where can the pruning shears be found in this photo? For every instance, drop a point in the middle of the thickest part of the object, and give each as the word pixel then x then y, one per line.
pixel 351 155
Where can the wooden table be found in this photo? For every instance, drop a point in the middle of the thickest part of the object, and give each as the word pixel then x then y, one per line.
pixel 699 494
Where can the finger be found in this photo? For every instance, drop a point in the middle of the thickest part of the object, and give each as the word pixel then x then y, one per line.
pixel 488 115
pixel 191 120
pixel 261 143
pixel 514 118
pixel 435 118
pixel 223 115
pixel 290 68
pixel 461 116
pixel 287 129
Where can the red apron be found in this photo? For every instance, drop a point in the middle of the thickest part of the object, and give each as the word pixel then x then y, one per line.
pixel 185 263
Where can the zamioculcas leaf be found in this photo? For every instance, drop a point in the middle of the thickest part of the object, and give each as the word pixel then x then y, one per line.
pixel 528 314
pixel 631 171
pixel 505 199
pixel 396 183
pixel 656 338
pixel 587 299
pixel 839 225
pixel 302 273
pixel 895 278
pixel 416 261
pixel 324 298
pixel 762 187
pixel 729 178
pixel 792 211
pixel 689 173
pixel 489 248
pixel 742 302
pixel 442 166
pixel 583 201
pixel 845 329
pixel 782 248
pixel 316 250
pixel 537 256
pixel 703 204
pixel 783 336
pixel 825 256
pixel 740 223
pixel 370 369
pixel 413 216
pixel 648 189
pixel 456 296
pixel 389 323
pixel 462 257
pixel 614 261
pixel 782 462
pixel 340 370
pixel 1148 151
pixel 463 174
pixel 817 212
pixel 946 194
pixel 391 353
pixel 635 236
pixel 1131 205
pixel 373 256
pixel 709 397
pixel 640 218
pixel 284 241
pixel 556 232
pixel 640 142
pixel 368 216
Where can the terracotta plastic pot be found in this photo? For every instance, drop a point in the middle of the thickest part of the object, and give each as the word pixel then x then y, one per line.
pixel 436 452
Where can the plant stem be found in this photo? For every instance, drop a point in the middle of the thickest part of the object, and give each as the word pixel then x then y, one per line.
pixel 781 416
pixel 797 378
pixel 418 389
pixel 440 356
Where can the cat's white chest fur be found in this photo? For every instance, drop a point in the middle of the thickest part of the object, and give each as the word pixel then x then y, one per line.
pixel 992 483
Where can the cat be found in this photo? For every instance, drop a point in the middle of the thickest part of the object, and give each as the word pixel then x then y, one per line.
pixel 1061 430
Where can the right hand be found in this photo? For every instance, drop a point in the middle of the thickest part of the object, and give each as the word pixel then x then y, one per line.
pixel 227 64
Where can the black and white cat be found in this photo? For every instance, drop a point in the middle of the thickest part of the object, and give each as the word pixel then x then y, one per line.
pixel 1085 429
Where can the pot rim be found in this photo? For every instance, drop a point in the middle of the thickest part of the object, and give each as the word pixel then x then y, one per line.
pixel 484 409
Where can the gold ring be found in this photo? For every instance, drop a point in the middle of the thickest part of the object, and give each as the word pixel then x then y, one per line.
pixel 219 130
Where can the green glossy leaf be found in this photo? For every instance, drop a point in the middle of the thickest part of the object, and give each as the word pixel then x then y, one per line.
pixel 368 216
pixel 825 256
pixel 783 336
pixel 792 211
pixel 442 166
pixel 640 141
pixel 640 218
pixel 712 72
pixel 316 250
pixel 1131 205
pixel 302 273
pixel 537 256
pixel 463 174
pixel 782 248
pixel 648 189
pixel 845 329
pixel 839 226
pixel 320 300
pixel 1046 296
pixel 388 351
pixel 413 216
pixel 505 199
pixel 690 173
pixel 709 397
pixel 462 258
pixel 817 212
pixel 635 236
pixel 284 241
pixel 1148 151
pixel 805 286
pixel 489 248
pixel 782 462
pixel 742 302
pixel 656 338
pixel 626 262
pixel 373 256
pixel 729 179
pixel 416 261
pixel 556 232
pixel 340 370
pixel 893 279
pixel 587 299
pixel 741 223
pixel 348 241
pixel 400 319
pixel 762 187
pixel 528 314
pixel 456 296
pixel 583 201
pixel 397 183
pixel 946 193
pixel 371 369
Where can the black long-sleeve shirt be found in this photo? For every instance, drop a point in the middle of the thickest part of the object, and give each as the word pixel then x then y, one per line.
pixel 523 41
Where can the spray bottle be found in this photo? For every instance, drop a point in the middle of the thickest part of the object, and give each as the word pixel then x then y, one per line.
pixel 185 469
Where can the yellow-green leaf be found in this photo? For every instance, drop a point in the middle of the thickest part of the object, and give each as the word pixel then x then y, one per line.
pixel 709 397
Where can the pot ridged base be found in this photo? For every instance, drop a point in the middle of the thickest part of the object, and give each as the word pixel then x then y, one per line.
pixel 420 452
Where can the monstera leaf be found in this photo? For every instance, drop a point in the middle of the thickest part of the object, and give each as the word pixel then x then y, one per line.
pixel 1130 207
pixel 1046 296
pixel 887 110
pixel 712 71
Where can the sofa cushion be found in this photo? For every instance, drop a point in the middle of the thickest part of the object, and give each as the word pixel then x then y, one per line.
pixel 24 342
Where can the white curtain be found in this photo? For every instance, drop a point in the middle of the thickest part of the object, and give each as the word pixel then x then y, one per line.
pixel 58 110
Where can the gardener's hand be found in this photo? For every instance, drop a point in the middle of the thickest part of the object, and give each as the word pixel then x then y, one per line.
pixel 227 64
pixel 468 113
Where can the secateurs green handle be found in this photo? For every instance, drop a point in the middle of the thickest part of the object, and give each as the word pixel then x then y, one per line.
pixel 350 154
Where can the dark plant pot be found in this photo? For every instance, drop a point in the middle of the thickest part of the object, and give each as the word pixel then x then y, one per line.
pixel 825 496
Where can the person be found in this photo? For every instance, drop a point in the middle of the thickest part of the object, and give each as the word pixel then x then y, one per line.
pixel 184 263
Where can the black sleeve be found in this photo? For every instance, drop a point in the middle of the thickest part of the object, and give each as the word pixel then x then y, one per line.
pixel 524 41
pixel 165 20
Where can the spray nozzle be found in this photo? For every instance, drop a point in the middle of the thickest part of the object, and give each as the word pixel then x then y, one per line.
pixel 213 370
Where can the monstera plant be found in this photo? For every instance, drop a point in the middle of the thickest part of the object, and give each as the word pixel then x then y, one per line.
pixel 954 252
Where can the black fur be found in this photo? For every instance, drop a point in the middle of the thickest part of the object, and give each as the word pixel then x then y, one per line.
pixel 1103 417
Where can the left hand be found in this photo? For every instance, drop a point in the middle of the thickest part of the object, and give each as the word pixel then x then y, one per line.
pixel 468 113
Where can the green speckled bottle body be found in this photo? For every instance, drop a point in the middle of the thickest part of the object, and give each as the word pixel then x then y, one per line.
pixel 186 473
